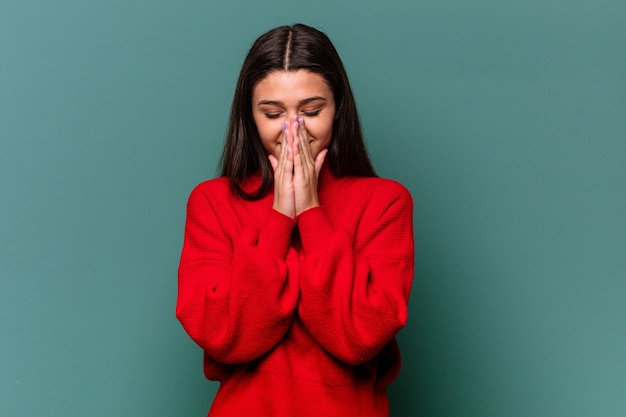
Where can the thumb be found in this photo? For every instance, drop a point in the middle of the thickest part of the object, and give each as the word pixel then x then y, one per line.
pixel 273 161
pixel 319 160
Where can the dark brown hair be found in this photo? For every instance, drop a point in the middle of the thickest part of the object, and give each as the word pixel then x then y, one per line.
pixel 290 48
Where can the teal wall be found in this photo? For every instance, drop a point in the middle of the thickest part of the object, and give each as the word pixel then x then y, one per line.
pixel 506 120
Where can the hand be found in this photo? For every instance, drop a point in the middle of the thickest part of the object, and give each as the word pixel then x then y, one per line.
pixel 284 196
pixel 305 169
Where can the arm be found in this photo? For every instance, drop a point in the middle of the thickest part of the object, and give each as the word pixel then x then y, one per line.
pixel 234 297
pixel 354 293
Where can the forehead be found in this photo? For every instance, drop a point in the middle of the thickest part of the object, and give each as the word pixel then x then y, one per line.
pixel 296 85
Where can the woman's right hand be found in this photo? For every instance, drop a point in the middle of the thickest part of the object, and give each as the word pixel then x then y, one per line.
pixel 284 196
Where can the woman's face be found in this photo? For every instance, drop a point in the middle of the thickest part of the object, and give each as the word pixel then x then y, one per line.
pixel 281 95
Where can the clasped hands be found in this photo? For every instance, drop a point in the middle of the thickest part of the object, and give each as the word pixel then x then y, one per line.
pixel 296 171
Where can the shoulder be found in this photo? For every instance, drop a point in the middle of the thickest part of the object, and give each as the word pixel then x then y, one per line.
pixel 366 200
pixel 376 188
pixel 210 190
pixel 210 187
pixel 386 185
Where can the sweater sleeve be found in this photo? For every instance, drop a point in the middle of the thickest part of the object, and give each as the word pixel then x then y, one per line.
pixel 354 292
pixel 235 298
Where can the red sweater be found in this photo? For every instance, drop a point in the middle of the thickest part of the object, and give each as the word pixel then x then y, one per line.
pixel 297 317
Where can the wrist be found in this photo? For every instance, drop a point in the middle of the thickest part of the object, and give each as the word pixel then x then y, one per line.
pixel 312 204
pixel 285 212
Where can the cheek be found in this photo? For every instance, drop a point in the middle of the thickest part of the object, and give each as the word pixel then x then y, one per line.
pixel 321 130
pixel 269 133
pixel 266 132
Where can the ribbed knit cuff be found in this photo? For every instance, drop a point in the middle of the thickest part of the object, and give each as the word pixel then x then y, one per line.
pixel 275 235
pixel 315 229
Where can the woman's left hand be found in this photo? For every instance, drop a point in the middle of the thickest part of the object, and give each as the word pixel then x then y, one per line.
pixel 306 169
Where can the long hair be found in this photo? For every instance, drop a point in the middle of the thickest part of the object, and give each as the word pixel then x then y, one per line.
pixel 291 48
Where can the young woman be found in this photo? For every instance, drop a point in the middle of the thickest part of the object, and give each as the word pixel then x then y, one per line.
pixel 297 262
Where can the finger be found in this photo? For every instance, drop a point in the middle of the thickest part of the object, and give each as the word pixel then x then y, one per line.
pixel 282 157
pixel 278 163
pixel 305 148
pixel 294 129
pixel 288 166
pixel 304 134
pixel 297 159
pixel 287 138
pixel 302 163
pixel 289 142
pixel 288 133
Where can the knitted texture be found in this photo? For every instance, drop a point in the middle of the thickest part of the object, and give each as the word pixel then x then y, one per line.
pixel 297 317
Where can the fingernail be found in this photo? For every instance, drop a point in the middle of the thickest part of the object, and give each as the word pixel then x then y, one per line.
pixel 302 122
pixel 283 127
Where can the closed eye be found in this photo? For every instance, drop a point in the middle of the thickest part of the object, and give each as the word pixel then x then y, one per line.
pixel 273 115
pixel 312 113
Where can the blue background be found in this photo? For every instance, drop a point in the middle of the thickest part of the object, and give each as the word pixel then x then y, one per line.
pixel 505 119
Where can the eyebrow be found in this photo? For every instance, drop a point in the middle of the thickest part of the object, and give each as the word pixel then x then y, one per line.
pixel 280 103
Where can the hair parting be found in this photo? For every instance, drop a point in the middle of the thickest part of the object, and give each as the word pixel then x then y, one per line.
pixel 287 51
